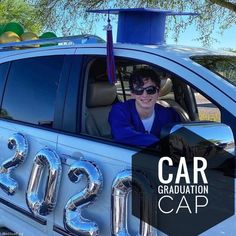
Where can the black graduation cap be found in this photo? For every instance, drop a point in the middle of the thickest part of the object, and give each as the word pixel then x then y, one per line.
pixel 141 25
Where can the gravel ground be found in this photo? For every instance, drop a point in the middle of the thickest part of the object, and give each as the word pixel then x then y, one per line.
pixel 207 110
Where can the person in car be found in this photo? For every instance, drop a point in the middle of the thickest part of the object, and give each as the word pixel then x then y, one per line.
pixel 139 120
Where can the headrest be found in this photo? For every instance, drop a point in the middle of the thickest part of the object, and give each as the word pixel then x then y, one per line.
pixel 101 94
pixel 166 87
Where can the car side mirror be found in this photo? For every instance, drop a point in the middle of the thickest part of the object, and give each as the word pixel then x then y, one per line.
pixel 219 134
pixel 197 139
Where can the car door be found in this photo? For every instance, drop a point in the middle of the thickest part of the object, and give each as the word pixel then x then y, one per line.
pixel 90 159
pixel 33 90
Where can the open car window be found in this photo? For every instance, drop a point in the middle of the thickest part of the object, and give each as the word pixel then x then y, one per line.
pixel 100 95
pixel 224 66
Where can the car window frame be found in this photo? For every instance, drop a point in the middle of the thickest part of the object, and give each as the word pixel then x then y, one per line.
pixel 61 90
pixel 72 102
pixel 3 81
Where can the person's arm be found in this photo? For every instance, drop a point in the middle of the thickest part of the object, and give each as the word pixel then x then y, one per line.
pixel 124 132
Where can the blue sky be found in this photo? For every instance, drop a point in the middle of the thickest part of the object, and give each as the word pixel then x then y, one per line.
pixel 226 40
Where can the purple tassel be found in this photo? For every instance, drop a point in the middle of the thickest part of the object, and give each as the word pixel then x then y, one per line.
pixel 111 67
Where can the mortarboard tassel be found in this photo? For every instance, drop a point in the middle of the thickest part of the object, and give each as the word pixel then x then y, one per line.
pixel 111 67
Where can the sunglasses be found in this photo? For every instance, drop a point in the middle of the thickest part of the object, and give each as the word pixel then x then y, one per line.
pixel 149 90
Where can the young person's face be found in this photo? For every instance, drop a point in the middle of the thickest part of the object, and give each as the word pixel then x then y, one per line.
pixel 147 98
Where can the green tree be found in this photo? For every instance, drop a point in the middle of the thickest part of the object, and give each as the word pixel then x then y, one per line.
pixel 69 16
pixel 22 12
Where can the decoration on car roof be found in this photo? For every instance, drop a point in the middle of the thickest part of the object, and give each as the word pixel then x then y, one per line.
pixel 14 32
pixel 141 25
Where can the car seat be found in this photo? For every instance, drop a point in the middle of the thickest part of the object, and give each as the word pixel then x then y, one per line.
pixel 100 97
pixel 166 99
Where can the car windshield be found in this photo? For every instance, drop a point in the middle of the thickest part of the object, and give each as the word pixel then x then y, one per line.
pixel 224 66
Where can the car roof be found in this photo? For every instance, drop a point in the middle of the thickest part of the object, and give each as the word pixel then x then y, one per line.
pixel 170 51
pixel 179 51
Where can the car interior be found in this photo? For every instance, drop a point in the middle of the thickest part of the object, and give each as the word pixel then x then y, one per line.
pixel 101 95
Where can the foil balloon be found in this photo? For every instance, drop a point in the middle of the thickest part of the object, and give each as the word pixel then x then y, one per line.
pixel 74 222
pixel 14 27
pixel 121 187
pixel 30 36
pixel 18 143
pixel 2 27
pixel 8 37
pixel 45 158
pixel 48 35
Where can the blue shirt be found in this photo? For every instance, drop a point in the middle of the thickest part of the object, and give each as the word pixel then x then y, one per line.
pixel 127 127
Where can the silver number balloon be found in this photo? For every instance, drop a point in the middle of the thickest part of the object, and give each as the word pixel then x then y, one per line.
pixel 121 187
pixel 73 220
pixel 45 158
pixel 18 143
